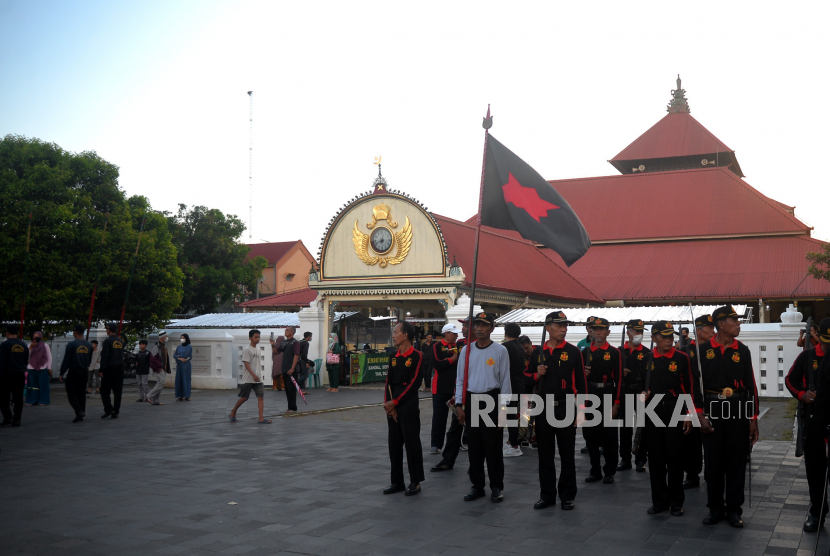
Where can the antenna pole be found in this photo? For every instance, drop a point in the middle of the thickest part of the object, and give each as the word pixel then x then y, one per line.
pixel 250 163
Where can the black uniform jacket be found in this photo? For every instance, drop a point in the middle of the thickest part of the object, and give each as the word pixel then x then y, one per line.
pixel 810 368
pixel 77 356
pixel 14 356
pixel 727 370
pixel 443 382
pixel 565 373
pixel 636 359
pixel 606 368
pixel 671 376
pixel 518 363
pixel 402 378
pixel 112 352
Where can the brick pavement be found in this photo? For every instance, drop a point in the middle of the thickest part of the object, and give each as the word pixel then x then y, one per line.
pixel 161 480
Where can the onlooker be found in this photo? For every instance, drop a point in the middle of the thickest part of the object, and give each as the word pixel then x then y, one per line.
pixel 589 339
pixel 333 363
pixel 517 356
pixel 251 379
pixel 94 369
pixel 306 366
pixel 14 356
pixel 160 363
pixel 814 341
pixel 426 361
pixel 291 348
pixel 276 364
pixel 75 365
pixel 40 371
pixel 183 355
pixel 142 371
pixel 112 372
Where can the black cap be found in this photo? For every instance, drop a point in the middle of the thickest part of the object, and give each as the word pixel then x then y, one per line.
pixel 488 318
pixel 663 327
pixel 636 324
pixel 556 317
pixel 704 320
pixel 590 321
pixel 824 330
pixel 598 322
pixel 724 313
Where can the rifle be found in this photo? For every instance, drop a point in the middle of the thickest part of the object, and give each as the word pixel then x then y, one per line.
pixel 804 410
pixel 638 434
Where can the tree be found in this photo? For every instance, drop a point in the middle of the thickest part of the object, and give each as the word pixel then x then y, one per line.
pixel 213 261
pixel 820 263
pixel 69 196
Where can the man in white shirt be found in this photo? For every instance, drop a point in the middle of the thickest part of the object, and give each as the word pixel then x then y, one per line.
pixel 250 379
pixel 488 376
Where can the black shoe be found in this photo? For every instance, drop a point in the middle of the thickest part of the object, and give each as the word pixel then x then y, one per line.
pixel 641 466
pixel 6 423
pixel 735 520
pixel 713 518
pixel 105 415
pixel 567 505
pixel 440 467
pixel 15 423
pixel 583 450
pixel 496 495
pixel 541 504
pixel 624 466
pixel 392 489
pixel 525 444
pixel 690 483
pixel 77 419
pixel 473 494
pixel 114 416
pixel 82 414
pixel 608 480
pixel 593 478
pixel 655 509
pixel 676 512
pixel 413 489
pixel 812 524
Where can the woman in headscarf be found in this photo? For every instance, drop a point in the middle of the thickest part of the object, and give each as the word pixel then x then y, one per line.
pixel 40 371
pixel 183 355
pixel 333 368
pixel 276 364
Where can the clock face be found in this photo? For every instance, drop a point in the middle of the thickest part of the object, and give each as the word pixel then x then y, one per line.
pixel 381 240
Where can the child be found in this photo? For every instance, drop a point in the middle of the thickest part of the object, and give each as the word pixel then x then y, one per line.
pixel 250 379
pixel 142 371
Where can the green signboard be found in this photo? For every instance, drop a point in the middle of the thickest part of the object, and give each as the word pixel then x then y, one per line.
pixel 369 367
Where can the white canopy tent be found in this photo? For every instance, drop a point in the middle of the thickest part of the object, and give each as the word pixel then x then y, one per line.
pixel 619 315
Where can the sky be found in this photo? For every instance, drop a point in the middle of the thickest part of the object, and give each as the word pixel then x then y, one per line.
pixel 159 88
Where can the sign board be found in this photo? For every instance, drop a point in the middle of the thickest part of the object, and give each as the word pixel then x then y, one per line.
pixel 377 364
pixel 202 359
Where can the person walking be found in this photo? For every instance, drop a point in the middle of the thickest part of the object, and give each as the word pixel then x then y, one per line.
pixel 14 357
pixel 75 366
pixel 333 363
pixel 112 372
pixel 427 362
pixel 183 355
pixel 142 371
pixel 306 365
pixel 40 371
pixel 94 369
pixel 250 379
pixel 290 347
pixel 276 365
pixel 160 364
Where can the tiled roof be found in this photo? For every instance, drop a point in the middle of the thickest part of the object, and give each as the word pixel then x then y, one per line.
pixel 297 298
pixel 675 135
pixel 271 251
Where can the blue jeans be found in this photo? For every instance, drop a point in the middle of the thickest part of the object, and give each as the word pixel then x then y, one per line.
pixel 38 387
pixel 183 380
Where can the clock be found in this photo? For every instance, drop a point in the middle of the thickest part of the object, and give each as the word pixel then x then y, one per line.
pixel 381 240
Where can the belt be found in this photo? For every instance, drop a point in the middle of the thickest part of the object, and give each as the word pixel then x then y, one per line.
pixel 725 394
pixel 602 384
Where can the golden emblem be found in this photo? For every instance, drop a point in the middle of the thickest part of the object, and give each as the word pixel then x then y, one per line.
pixel 382 239
pixel 491 362
pixel 607 356
pixel 409 362
pixel 394 362
pixel 564 356
pixel 710 354
pixel 640 357
pixel 736 358
pixel 815 364
pixel 673 366
pixel 727 392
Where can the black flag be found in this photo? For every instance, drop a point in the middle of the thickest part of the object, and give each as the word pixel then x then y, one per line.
pixel 517 198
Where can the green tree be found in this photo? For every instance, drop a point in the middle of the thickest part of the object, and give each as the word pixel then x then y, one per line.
pixel 68 196
pixel 211 257
pixel 820 263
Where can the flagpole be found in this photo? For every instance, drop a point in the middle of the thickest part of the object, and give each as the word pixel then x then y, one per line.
pixel 25 275
pixel 132 271
pixel 486 124
pixel 97 275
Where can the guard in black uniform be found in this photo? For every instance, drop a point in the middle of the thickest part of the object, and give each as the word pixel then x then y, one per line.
pixel 634 379
pixel 75 366
pixel 560 377
pixel 14 357
pixel 112 371
pixel 445 363
pixel 457 433
pixel 403 413
pixel 809 382
pixel 731 399
pixel 603 366
pixel 693 440
pixel 670 376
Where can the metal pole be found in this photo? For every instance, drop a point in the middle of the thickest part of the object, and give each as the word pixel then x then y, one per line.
pixel 97 275
pixel 25 275
pixel 132 271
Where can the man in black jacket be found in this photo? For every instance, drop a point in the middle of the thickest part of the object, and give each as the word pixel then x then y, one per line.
pixel 445 360
pixel 518 358
pixel 634 377
pixel 306 365
pixel 14 357
pixel 112 372
pixel 75 363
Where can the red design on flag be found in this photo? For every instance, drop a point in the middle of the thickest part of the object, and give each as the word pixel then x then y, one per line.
pixel 526 198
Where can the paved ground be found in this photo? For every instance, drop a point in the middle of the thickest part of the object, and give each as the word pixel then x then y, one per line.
pixel 181 479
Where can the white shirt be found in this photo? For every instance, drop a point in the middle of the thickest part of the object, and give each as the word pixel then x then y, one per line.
pixel 252 356
pixel 489 370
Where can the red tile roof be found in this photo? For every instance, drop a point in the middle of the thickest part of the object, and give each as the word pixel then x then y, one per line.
pixel 271 251
pixel 684 203
pixel 675 135
pixel 510 264
pixel 297 298
pixel 724 269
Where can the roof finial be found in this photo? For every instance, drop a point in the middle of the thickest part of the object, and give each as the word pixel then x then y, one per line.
pixel 678 103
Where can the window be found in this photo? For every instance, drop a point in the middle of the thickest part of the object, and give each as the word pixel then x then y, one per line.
pixel 780 387
pixel 781 374
pixel 763 386
pixel 289 277
pixel 763 372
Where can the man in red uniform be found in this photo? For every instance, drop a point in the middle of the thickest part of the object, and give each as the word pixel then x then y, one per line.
pixel 693 441
pixel 445 363
pixel 634 377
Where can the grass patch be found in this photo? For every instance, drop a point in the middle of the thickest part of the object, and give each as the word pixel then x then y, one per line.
pixel 792 408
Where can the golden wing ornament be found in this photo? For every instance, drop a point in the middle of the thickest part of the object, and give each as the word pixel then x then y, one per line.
pixel 361 246
pixel 404 241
